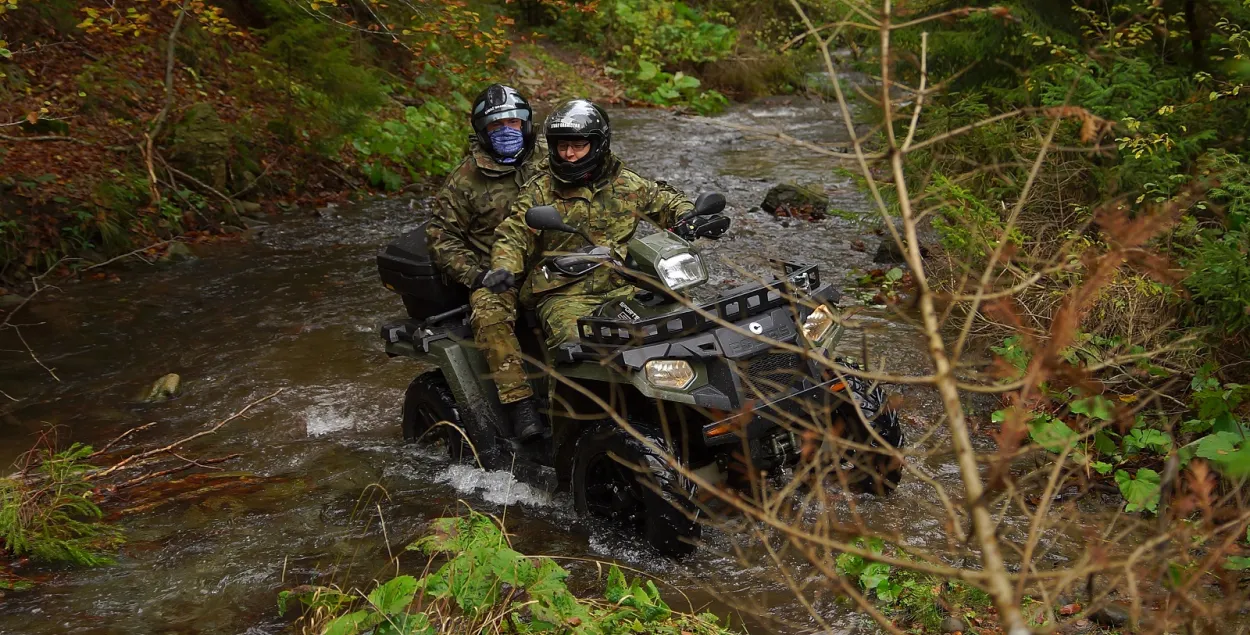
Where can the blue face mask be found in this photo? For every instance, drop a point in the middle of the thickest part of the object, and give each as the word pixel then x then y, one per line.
pixel 507 143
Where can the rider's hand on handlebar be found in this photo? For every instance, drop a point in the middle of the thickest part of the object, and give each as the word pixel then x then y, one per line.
pixel 707 226
pixel 498 280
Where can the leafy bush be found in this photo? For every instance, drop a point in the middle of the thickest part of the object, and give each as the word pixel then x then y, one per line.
pixel 1219 279
pixel 485 581
pixel 659 36
pixel 650 84
pixel 429 140
pixel 50 516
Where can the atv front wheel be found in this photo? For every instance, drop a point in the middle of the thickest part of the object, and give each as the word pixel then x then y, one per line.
pixel 876 472
pixel 429 402
pixel 622 481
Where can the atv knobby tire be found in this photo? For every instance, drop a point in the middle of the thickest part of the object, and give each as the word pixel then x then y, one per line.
pixel 429 402
pixel 619 479
pixel 873 472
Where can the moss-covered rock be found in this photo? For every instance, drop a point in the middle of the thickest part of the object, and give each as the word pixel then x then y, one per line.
pixel 199 144
pixel 792 200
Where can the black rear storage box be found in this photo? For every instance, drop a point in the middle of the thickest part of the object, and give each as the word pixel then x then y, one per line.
pixel 406 268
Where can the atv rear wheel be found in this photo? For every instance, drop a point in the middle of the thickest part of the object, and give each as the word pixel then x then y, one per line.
pixel 622 481
pixel 429 402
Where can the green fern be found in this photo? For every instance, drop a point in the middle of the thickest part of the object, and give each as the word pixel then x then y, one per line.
pixel 49 515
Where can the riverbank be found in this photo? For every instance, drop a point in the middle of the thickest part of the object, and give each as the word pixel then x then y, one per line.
pixel 126 127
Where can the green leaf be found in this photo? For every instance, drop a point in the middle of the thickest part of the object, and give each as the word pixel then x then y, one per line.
pixel 685 82
pixel 394 596
pixel 894 275
pixel 616 588
pixel 1051 433
pixel 889 591
pixel 1148 439
pixel 1141 491
pixel 352 623
pixel 512 567
pixel 1102 467
pixel 646 71
pixel 1105 442
pixel 1096 407
pixel 874 574
pixel 850 564
pixel 1216 447
pixel 1237 563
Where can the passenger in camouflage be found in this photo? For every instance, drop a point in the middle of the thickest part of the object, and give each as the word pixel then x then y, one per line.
pixel 476 197
pixel 594 192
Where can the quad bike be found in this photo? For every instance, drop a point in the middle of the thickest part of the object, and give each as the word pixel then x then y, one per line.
pixel 719 385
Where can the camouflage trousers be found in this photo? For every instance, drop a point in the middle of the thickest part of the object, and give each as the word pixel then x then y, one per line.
pixel 559 312
pixel 494 331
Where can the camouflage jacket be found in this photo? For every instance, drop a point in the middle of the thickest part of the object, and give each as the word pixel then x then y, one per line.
pixel 472 202
pixel 609 210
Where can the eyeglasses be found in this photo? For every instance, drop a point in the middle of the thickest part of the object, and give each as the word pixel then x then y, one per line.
pixel 578 145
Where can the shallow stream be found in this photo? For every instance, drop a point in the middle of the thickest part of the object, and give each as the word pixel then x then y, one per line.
pixel 297 308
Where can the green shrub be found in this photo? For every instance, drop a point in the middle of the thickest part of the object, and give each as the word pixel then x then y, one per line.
pixel 429 140
pixel 330 91
pixel 50 515
pixel 484 581
pixel 652 85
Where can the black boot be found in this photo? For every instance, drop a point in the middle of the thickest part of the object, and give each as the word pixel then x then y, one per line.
pixel 526 424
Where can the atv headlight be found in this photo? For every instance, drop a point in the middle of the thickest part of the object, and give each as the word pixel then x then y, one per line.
pixel 818 324
pixel 669 373
pixel 681 271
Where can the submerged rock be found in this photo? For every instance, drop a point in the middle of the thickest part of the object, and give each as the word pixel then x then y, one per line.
pixel 163 389
pixel 10 301
pixel 795 201
pixel 178 252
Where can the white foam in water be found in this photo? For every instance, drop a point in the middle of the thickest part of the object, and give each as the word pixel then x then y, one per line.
pixel 498 487
pixel 320 421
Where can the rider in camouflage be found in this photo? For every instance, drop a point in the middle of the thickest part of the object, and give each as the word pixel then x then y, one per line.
pixel 475 198
pixel 594 192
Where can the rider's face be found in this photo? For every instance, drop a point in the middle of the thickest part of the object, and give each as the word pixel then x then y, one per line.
pixel 573 151
pixel 513 123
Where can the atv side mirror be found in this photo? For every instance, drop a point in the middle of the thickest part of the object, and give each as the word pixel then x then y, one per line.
pixel 546 217
pixel 709 203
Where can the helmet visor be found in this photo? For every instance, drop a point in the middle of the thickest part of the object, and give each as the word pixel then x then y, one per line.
pixel 515 113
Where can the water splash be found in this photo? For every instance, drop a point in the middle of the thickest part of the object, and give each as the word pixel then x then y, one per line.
pixel 498 487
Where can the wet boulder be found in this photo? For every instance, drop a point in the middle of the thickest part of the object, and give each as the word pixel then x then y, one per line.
pixel 163 389
pixel 177 252
pixel 888 252
pixel 953 624
pixel 10 301
pixel 1113 615
pixel 199 144
pixel 788 200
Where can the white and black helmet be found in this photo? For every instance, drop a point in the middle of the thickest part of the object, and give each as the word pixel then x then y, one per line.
pixel 575 120
pixel 502 102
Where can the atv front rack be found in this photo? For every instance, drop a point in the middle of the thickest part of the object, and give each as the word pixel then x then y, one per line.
pixel 737 306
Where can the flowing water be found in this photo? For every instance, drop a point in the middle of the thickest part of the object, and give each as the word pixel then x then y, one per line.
pixel 297 309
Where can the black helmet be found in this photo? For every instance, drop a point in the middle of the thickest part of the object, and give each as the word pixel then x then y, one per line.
pixel 502 102
pixel 574 120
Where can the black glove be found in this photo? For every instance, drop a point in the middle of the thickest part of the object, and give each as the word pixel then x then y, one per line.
pixel 498 280
pixel 477 281
pixel 709 226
